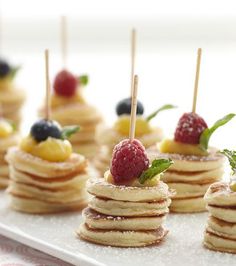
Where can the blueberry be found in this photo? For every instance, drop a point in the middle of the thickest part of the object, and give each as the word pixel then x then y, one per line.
pixel 4 68
pixel 43 129
pixel 124 107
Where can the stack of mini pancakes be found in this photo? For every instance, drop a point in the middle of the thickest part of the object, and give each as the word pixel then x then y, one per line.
pixel 6 143
pixel 11 101
pixel 220 233
pixel 125 216
pixel 190 176
pixel 39 186
pixel 88 118
pixel 109 137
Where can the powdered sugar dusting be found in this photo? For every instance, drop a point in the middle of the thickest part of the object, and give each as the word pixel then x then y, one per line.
pixel 182 247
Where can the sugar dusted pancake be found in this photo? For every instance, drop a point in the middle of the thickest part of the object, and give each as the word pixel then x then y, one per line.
pixel 190 163
pixel 220 233
pixel 119 238
pixel 97 220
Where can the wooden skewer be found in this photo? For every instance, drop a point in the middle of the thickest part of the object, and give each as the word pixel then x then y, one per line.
pixel 64 40
pixel 133 57
pixel 199 54
pixel 133 109
pixel 47 107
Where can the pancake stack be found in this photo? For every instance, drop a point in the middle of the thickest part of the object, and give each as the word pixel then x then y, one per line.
pixel 40 186
pixel 220 234
pixel 190 176
pixel 11 101
pixel 85 115
pixel 109 137
pixel 5 143
pixel 125 216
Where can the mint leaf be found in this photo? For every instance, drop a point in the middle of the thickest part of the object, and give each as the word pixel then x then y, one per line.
pixel 13 72
pixel 84 79
pixel 68 131
pixel 164 107
pixel 158 166
pixel 231 155
pixel 206 134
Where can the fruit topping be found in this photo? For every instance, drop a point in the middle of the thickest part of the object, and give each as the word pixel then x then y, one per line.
pixel 129 160
pixel 53 150
pixel 65 83
pixel 124 107
pixel 231 155
pixel 43 129
pixel 172 146
pixel 157 167
pixel 4 68
pixel 6 128
pixel 190 128
pixel 122 126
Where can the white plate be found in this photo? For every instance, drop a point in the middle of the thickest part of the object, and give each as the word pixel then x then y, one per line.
pixel 54 234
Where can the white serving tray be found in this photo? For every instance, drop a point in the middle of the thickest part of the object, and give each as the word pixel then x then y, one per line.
pixel 54 234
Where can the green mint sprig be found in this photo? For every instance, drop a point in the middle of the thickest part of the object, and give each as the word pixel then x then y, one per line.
pixel 164 107
pixel 158 166
pixel 231 155
pixel 69 131
pixel 207 133
pixel 84 79
pixel 13 72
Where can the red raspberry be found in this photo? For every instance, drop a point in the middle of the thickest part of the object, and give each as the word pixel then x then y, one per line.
pixel 190 128
pixel 65 84
pixel 129 160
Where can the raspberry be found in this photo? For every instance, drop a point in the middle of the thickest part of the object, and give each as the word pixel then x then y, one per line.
pixel 190 128
pixel 129 160
pixel 65 84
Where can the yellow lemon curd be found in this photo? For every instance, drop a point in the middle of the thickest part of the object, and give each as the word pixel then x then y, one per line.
pixel 6 129
pixel 135 182
pixel 53 150
pixel 122 126
pixel 172 146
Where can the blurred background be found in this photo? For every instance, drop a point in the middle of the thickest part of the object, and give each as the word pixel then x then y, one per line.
pixel 168 35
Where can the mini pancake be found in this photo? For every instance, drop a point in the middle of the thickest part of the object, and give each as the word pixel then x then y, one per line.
pixel 51 195
pixel 121 238
pixel 188 205
pixel 220 194
pixel 129 208
pixel 28 163
pixel 76 113
pixel 222 227
pixel 224 213
pixel 9 141
pixel 9 98
pixel 110 137
pixel 100 221
pixel 68 181
pixel 101 188
pixel 217 243
pixel 4 170
pixel 189 163
pixel 194 177
pixel 185 190
pixel 220 233
pixel 4 182
pixel 34 206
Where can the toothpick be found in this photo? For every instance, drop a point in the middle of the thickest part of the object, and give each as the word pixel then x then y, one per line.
pixel 133 57
pixel 64 40
pixel 133 109
pixel 199 54
pixel 47 107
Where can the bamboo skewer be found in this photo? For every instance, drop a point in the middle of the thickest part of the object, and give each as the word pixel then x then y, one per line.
pixel 133 57
pixel 199 54
pixel 48 94
pixel 64 40
pixel 133 108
